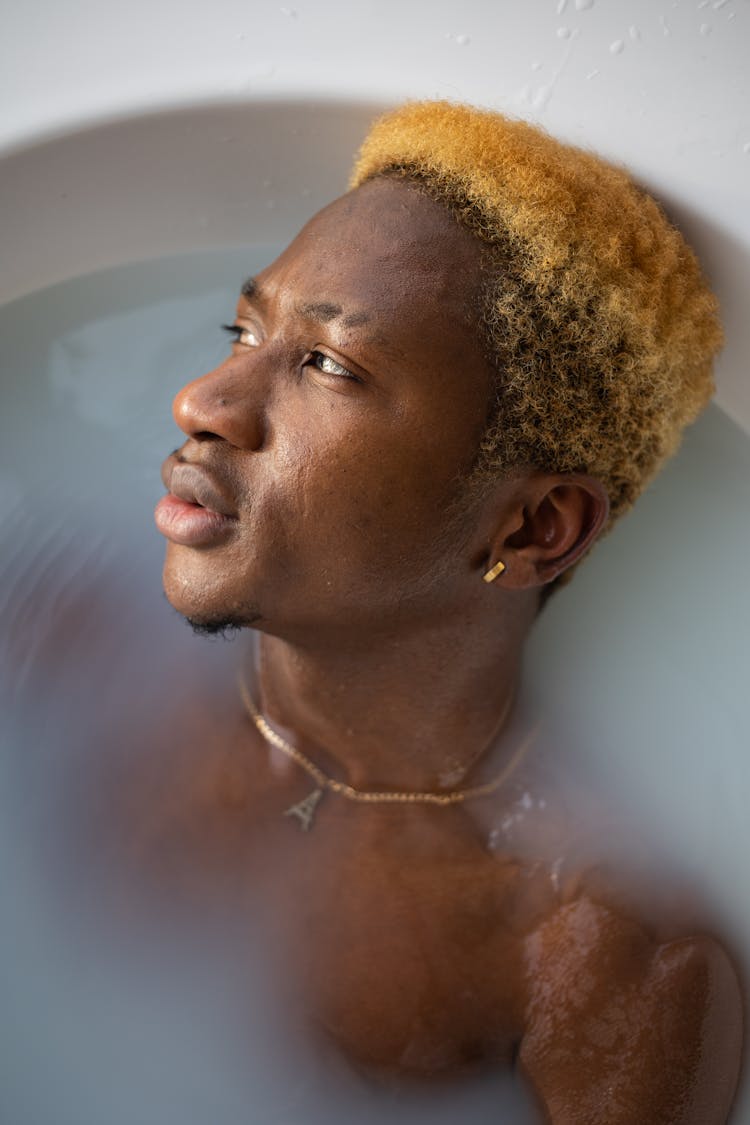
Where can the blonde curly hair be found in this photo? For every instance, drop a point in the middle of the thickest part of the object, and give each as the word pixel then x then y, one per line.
pixel 597 320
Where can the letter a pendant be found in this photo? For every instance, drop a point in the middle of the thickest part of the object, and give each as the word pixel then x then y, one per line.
pixel 305 810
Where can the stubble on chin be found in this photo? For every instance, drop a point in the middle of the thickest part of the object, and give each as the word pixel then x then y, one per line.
pixel 224 627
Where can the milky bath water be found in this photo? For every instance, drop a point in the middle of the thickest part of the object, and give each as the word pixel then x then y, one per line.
pixel 117 1009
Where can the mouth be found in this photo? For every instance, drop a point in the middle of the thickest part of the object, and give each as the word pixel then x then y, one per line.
pixel 195 512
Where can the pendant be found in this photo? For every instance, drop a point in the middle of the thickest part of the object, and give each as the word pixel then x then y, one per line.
pixel 305 810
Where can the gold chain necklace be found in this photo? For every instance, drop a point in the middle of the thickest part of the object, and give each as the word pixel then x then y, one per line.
pixel 304 810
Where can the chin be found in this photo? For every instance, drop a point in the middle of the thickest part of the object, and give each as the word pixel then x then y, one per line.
pixel 209 611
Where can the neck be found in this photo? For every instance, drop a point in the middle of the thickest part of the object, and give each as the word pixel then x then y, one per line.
pixel 411 711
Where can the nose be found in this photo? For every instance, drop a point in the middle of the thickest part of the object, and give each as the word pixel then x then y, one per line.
pixel 224 404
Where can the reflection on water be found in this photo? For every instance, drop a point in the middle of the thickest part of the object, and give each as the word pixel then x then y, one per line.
pixel 161 927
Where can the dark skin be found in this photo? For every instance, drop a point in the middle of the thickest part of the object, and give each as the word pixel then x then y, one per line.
pixel 355 544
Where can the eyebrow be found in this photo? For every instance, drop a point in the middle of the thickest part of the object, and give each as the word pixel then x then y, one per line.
pixel 321 311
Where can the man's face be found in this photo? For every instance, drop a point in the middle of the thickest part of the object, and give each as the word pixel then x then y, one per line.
pixel 337 436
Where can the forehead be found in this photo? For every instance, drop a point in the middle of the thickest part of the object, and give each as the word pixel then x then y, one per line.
pixel 388 258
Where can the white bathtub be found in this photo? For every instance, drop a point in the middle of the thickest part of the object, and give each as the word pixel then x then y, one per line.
pixel 124 239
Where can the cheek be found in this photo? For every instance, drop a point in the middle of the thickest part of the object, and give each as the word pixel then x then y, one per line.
pixel 350 486
pixel 380 497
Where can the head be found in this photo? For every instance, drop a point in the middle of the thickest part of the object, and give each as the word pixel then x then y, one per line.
pixel 482 352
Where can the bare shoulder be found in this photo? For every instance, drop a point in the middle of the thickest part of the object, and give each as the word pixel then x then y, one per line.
pixel 622 1028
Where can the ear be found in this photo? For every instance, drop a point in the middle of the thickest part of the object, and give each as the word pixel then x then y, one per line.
pixel 551 521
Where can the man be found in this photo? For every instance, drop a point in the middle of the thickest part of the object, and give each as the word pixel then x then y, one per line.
pixel 441 393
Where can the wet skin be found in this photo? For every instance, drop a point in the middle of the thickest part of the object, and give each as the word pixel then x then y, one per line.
pixel 321 496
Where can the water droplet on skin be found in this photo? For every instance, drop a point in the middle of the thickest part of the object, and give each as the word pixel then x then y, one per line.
pixel 463 40
pixel 634 34
pixel 746 148
pixel 731 16
pixel 536 66
pixel 705 29
pixel 617 47
pixel 591 74
pixel 561 6
pixel 564 33
pixel 584 5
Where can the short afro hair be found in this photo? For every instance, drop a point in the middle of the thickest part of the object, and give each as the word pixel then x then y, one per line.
pixel 598 323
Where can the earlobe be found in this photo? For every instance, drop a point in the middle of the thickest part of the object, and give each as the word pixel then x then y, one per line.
pixel 549 529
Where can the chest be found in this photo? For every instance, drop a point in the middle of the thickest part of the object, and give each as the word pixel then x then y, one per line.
pixel 392 929
pixel 404 942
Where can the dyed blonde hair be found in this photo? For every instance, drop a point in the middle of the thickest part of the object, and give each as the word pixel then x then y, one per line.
pixel 597 320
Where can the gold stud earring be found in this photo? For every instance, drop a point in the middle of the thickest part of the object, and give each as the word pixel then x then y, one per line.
pixel 495 572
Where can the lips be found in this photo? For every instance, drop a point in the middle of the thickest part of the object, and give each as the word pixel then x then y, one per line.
pixel 195 512
pixel 194 485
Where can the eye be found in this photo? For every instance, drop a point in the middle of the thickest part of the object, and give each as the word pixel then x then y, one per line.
pixel 329 366
pixel 241 335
